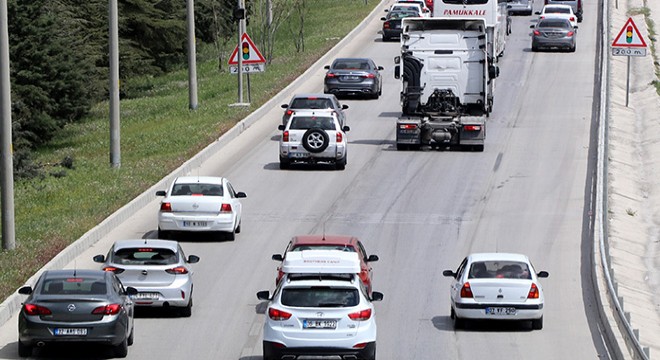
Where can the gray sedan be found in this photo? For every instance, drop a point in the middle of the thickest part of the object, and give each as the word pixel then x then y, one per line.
pixel 68 306
pixel 554 33
pixel 353 76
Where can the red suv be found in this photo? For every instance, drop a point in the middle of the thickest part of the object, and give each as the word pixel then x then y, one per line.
pixel 330 242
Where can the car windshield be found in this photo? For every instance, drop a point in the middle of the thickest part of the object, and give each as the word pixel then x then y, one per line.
pixel 197 189
pixel 499 269
pixel 145 256
pixel 351 65
pixel 554 23
pixel 74 286
pixel 323 247
pixel 311 103
pixel 321 296
pixel 308 122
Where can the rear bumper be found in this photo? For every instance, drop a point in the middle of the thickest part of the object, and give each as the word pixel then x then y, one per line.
pixel 275 351
pixel 174 222
pixel 478 311
pixel 31 333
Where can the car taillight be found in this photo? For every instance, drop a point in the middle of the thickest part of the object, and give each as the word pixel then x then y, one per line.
pixel 370 76
pixel 541 17
pixel 111 309
pixel 285 136
pixel 536 32
pixel 225 208
pixel 115 270
pixel 570 33
pixel 289 112
pixel 572 19
pixel 360 315
pixel 165 207
pixel 32 309
pixel 360 345
pixel 177 270
pixel 278 315
pixel 330 75
pixel 533 292
pixel 386 25
pixel 466 291
pixel 471 127
pixel 339 137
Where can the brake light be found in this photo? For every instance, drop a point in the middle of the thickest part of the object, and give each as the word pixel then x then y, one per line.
pixel 541 17
pixel 570 33
pixel 285 136
pixel 370 76
pixel 533 292
pixel 225 208
pixel 289 112
pixel 386 25
pixel 177 270
pixel 360 345
pixel 278 315
pixel 536 32
pixel 360 315
pixel 113 269
pixel 166 207
pixel 466 291
pixel 572 19
pixel 471 127
pixel 111 309
pixel 32 309
pixel 330 75
pixel 408 126
pixel 339 137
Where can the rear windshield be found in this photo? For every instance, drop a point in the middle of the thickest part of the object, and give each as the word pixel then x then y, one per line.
pixel 308 122
pixel 311 104
pixel 499 269
pixel 145 256
pixel 320 297
pixel 197 189
pixel 74 286
pixel 351 64
pixel 556 23
pixel 323 247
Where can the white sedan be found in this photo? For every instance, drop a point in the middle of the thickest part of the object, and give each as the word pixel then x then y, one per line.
pixel 558 11
pixel 200 204
pixel 496 286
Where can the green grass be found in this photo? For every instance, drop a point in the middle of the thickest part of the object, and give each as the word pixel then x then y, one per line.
pixel 158 133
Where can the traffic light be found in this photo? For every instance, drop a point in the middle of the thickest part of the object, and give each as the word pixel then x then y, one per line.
pixel 629 34
pixel 246 50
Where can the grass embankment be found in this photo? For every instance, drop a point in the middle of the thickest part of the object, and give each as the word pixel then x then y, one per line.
pixel 158 133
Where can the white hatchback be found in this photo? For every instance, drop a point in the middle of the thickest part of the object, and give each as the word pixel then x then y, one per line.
pixel 559 11
pixel 312 137
pixel 200 204
pixel 496 286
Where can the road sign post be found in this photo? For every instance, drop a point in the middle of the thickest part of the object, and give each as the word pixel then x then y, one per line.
pixel 629 43
pixel 246 58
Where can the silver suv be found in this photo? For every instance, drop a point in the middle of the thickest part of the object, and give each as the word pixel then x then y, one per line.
pixel 313 137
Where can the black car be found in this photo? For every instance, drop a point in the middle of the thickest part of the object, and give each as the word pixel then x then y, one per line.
pixel 392 23
pixel 315 102
pixel 68 306
pixel 353 76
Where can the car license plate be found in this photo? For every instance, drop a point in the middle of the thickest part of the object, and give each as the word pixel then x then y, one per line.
pixel 350 77
pixel 70 331
pixel 298 155
pixel 194 223
pixel 500 311
pixel 145 296
pixel 319 324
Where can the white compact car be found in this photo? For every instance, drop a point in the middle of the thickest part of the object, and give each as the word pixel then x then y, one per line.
pixel 559 11
pixel 158 269
pixel 200 204
pixel 496 286
pixel 312 137
pixel 320 308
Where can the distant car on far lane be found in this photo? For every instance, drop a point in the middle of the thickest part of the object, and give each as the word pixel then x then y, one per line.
pixel 392 23
pixel 353 76
pixel 496 286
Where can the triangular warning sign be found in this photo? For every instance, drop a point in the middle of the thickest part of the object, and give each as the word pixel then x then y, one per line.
pixel 629 36
pixel 249 52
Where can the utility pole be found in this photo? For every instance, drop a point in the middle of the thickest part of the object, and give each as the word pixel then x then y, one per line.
pixel 192 55
pixel 115 155
pixel 7 176
pixel 240 58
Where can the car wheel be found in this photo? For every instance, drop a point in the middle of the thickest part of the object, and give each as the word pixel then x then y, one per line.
pixel 187 310
pixel 121 350
pixel 401 147
pixel 478 148
pixel 572 49
pixel 315 140
pixel 268 353
pixel 386 38
pixel 537 324
pixel 341 164
pixel 458 322
pixel 231 235
pixel 24 350
pixel 238 228
pixel 371 356
pixel 131 337
pixel 162 234
pixel 535 48
pixel 284 163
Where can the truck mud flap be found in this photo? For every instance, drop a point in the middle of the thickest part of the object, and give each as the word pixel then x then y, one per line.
pixel 473 131
pixel 408 132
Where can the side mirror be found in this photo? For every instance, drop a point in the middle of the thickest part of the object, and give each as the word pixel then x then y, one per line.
pixel 25 290
pixel 397 72
pixel 284 106
pixel 449 273
pixel 99 258
pixel 192 259
pixel 543 274
pixel 575 27
pixel 531 26
pixel 327 67
pixel 241 194
pixel 277 257
pixel 383 18
pixel 509 6
pixel 381 68
pixel 131 291
pixel 372 258
pixel 344 106
pixel 281 127
pixel 537 13
pixel 161 193
pixel 346 128
pixel 376 296
pixel 397 60
pixel 263 295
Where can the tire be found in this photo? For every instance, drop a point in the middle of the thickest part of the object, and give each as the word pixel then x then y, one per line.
pixel 458 322
pixel 478 148
pixel 24 350
pixel 341 164
pixel 537 324
pixel 284 163
pixel 187 310
pixel 238 228
pixel 386 38
pixel 121 350
pixel 131 337
pixel 164 235
pixel 371 356
pixel 572 49
pixel 315 140
pixel 231 235
pixel 535 48
pixel 268 354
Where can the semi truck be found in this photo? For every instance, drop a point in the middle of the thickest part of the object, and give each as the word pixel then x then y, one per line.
pixel 445 76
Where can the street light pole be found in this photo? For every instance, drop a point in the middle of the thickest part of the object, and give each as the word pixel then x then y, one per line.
pixel 7 176
pixel 192 55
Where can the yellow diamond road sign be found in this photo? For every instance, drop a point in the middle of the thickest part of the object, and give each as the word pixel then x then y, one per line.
pixel 248 51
